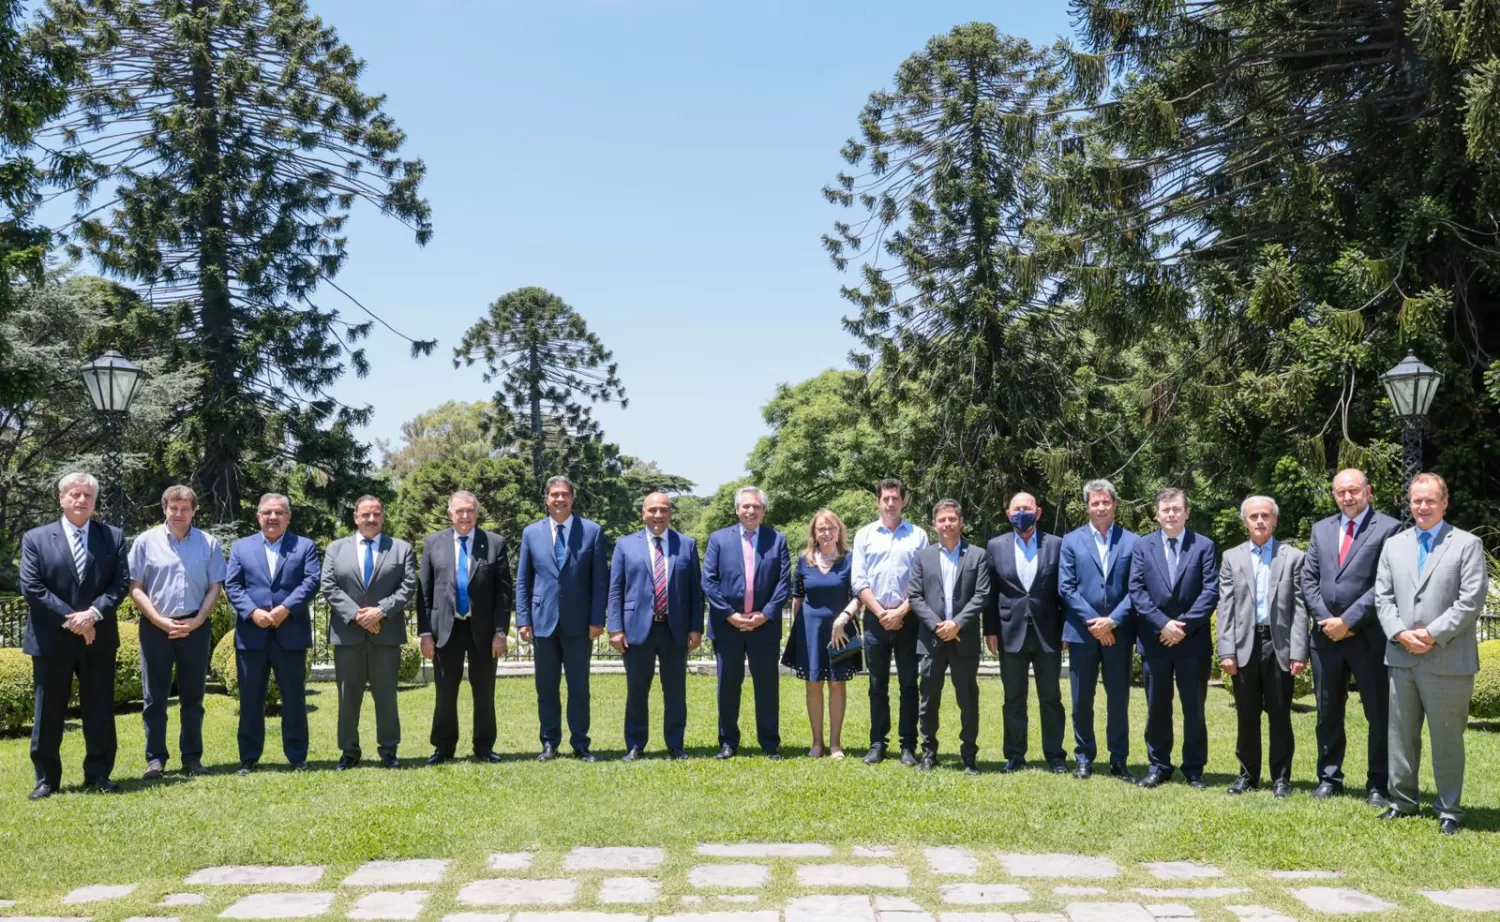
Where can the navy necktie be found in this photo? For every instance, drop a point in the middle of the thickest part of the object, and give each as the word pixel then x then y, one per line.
pixel 560 547
pixel 1172 560
pixel 369 560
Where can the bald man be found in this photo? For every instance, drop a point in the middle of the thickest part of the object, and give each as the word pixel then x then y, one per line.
pixel 1025 620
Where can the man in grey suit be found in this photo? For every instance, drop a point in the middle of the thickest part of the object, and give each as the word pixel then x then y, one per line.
pixel 368 579
pixel 1262 628
pixel 1428 593
pixel 948 590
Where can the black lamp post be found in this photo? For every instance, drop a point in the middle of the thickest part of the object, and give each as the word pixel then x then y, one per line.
pixel 112 383
pixel 1411 386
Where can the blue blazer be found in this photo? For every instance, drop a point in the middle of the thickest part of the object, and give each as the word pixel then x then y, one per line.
pixel 724 574
pixel 570 600
pixel 1191 599
pixel 632 592
pixel 1087 593
pixel 249 586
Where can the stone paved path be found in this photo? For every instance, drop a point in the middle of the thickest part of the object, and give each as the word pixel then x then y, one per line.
pixel 725 883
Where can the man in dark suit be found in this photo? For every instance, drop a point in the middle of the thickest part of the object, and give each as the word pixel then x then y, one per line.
pixel 1024 618
pixel 949 588
pixel 271 579
pixel 747 577
pixel 368 579
pixel 1093 583
pixel 1338 581
pixel 465 594
pixel 1262 640
pixel 561 589
pixel 1174 586
pixel 655 617
pixel 73 576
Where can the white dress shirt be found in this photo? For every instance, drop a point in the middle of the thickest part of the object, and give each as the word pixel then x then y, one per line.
pixel 948 565
pixel 1026 552
pixel 273 553
pixel 1101 546
pixel 359 544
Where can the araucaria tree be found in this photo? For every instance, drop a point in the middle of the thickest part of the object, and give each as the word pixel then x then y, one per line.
pixel 551 371
pixel 226 142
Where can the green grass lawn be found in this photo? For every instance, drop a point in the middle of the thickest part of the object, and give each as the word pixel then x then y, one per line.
pixel 156 833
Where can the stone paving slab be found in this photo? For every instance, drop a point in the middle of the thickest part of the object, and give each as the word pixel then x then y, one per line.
pixel 1340 900
pixel 905 916
pixel 895 904
pixel 981 894
pixel 1171 911
pixel 390 904
pixel 257 874
pixel 1474 899
pixel 584 858
pixel 767 850
pixel 511 861
pixel 830 909
pixel 1189 893
pixel 629 890
pixel 874 851
pixel 986 917
pixel 767 915
pixel 183 899
pixel 707 876
pixel 854 876
pixel 392 873
pixel 1033 917
pixel 152 919
pixel 1070 866
pixel 1259 914
pixel 578 917
pixel 1304 875
pixel 477 917
pixel 303 905
pixel 98 893
pixel 48 919
pixel 1079 891
pixel 1108 912
pixel 1181 870
pixel 957 862
pixel 508 891
pixel 6 904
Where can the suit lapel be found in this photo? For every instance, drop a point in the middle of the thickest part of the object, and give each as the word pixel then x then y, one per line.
pixel 382 559
pixel 549 539
pixel 65 548
pixel 1433 556
pixel 1278 558
pixel 1360 533
pixel 1005 561
pixel 1182 553
pixel 478 550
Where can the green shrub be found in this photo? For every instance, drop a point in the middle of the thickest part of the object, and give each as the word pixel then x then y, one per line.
pixel 224 666
pixel 220 620
pixel 411 662
pixel 15 690
pixel 1486 701
pixel 128 664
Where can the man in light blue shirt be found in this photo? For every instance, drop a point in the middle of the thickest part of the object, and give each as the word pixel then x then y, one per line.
pixel 881 567
pixel 176 576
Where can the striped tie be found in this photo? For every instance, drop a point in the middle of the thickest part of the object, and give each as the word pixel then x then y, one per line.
pixel 80 554
pixel 659 584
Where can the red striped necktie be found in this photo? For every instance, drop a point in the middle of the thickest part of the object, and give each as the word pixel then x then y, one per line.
pixel 659 584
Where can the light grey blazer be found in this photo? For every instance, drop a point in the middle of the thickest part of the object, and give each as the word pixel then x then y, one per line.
pixel 1236 615
pixel 390 589
pixel 1446 599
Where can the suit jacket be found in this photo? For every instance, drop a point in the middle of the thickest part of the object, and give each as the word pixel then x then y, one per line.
pixel 724 574
pixel 1190 599
pixel 1446 599
pixel 570 600
pixel 1284 605
pixel 632 590
pixel 1346 592
pixel 391 587
pixel 249 585
pixel 1086 592
pixel 971 593
pixel 53 591
pixel 491 588
pixel 1010 602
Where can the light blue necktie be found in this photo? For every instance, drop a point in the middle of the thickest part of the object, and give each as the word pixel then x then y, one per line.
pixel 560 548
pixel 463 576
pixel 1424 546
pixel 369 560
pixel 1172 560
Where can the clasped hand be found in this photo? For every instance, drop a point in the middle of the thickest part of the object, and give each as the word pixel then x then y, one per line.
pixel 747 622
pixel 82 624
pixel 1103 630
pixel 1417 641
pixel 1173 634
pixel 369 618
pixel 947 630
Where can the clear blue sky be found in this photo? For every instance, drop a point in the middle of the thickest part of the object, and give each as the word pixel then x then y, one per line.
pixel 656 163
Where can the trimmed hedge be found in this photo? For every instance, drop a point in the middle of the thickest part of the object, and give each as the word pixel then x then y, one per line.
pixel 1486 702
pixel 411 662
pixel 127 665
pixel 15 689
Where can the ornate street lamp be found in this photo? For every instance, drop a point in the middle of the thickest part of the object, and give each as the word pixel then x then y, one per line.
pixel 112 382
pixel 1411 386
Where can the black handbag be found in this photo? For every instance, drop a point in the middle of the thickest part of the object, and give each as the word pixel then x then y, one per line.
pixel 854 643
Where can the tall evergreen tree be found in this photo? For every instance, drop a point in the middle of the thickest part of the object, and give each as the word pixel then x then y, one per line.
pixel 227 142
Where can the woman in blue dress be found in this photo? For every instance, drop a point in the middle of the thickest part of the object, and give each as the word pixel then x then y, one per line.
pixel 823 607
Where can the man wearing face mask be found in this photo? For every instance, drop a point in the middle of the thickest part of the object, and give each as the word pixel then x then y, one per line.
pixel 1023 617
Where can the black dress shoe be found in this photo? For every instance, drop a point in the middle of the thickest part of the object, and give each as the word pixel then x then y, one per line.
pixel 774 756
pixel 1196 783
pixel 1378 799
pixel 345 763
pixel 1281 789
pixel 677 754
pixel 583 755
pixel 1448 827
pixel 42 791
pixel 490 757
pixel 634 755
pixel 1154 779
pixel 908 758
pixel 1327 789
pixel 876 755
pixel 438 758
pixel 154 769
pixel 928 763
pixel 726 751
pixel 1012 765
pixel 300 767
pixel 245 768
pixel 1391 813
pixel 1121 771
pixel 1084 770
pixel 548 753
pixel 389 762
pixel 101 786
pixel 970 768
pixel 1058 768
pixel 196 769
pixel 1242 786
